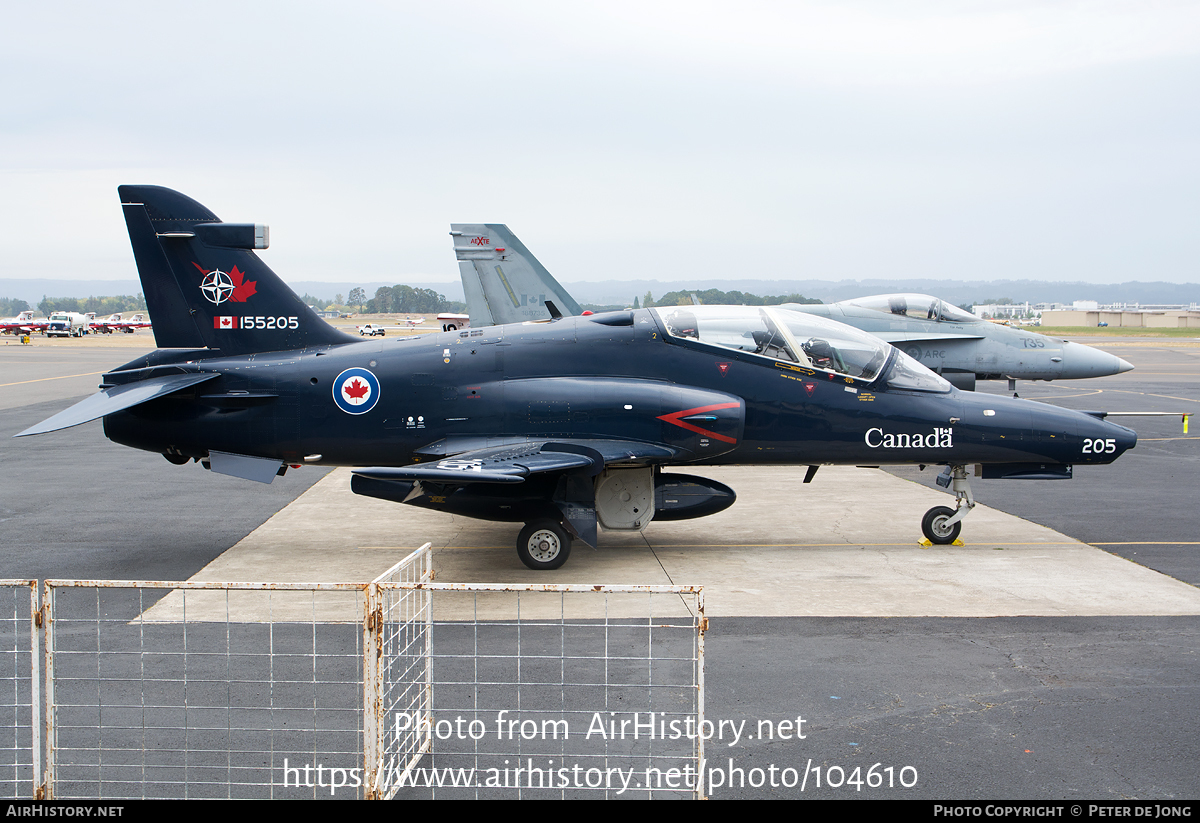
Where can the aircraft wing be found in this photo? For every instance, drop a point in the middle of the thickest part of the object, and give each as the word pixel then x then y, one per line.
pixel 898 337
pixel 574 462
pixel 118 398
pixel 12 328
pixel 514 463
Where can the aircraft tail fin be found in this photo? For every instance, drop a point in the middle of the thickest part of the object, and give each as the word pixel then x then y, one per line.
pixel 502 280
pixel 204 285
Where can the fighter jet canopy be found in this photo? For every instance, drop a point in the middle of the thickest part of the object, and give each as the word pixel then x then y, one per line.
pixel 915 306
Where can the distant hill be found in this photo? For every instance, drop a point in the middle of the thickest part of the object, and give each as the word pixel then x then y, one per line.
pixel 613 292
pixel 32 291
pixel 954 291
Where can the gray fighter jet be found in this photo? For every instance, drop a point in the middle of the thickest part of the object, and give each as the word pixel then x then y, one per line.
pixel 964 348
pixel 505 283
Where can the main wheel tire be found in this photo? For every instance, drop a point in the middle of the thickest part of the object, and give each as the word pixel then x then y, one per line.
pixel 934 526
pixel 543 545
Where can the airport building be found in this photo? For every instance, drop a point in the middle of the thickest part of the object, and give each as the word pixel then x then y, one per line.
pixel 1128 318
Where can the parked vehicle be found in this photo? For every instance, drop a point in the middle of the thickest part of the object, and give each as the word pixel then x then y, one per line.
pixel 67 324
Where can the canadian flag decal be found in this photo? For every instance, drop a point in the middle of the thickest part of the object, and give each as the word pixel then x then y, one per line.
pixel 225 322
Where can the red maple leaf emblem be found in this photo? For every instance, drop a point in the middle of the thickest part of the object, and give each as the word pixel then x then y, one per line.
pixel 242 288
pixel 356 390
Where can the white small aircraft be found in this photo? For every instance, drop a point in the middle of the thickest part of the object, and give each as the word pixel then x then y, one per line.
pixel 107 326
pixel 114 322
pixel 23 323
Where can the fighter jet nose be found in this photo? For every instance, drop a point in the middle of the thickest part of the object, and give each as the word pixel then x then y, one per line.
pixel 1080 361
pixel 1105 441
pixel 1125 438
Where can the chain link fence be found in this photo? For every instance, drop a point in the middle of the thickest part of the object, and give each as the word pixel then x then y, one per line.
pixel 403 687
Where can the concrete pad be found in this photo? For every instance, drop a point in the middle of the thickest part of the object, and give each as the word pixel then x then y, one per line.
pixel 845 545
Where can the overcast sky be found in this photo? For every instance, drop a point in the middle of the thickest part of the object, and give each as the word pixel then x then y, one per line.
pixel 619 140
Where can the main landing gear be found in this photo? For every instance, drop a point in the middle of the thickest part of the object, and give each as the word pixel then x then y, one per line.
pixel 941 525
pixel 543 545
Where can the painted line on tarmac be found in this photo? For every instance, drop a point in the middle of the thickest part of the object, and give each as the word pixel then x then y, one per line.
pixel 1083 393
pixel 1148 394
pixel 60 377
pixel 1150 543
pixel 908 543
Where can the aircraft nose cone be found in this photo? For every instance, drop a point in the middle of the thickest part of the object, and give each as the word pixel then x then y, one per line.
pixel 1104 441
pixel 1080 361
pixel 1125 438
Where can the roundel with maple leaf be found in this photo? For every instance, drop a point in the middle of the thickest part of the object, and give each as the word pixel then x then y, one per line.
pixel 356 391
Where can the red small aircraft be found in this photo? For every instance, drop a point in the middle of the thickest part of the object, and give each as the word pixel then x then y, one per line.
pixel 23 323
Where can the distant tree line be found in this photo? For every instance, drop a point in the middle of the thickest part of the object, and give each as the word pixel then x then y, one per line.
pixel 100 305
pixel 338 303
pixel 399 299
pixel 11 306
pixel 716 297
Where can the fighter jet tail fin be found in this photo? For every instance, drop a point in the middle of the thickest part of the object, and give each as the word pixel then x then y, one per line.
pixel 502 280
pixel 204 285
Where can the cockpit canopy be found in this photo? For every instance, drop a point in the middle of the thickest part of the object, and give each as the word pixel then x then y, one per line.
pixel 804 339
pixel 913 306
pixel 812 342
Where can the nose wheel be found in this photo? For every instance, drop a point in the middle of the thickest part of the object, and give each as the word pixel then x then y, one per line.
pixel 941 525
pixel 543 545
pixel 937 528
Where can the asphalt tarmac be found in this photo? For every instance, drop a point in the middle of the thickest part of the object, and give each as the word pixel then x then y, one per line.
pixel 1100 705
pixel 78 506
pixel 1144 507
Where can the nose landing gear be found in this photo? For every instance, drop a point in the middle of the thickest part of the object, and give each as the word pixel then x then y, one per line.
pixel 941 525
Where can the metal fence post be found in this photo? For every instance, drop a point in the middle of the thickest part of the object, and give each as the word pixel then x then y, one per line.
pixel 51 734
pixel 35 625
pixel 372 692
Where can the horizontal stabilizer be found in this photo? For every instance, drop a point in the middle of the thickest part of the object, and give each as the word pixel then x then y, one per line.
pixel 118 398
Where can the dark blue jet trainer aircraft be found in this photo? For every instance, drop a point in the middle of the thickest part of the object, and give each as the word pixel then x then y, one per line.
pixel 560 424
